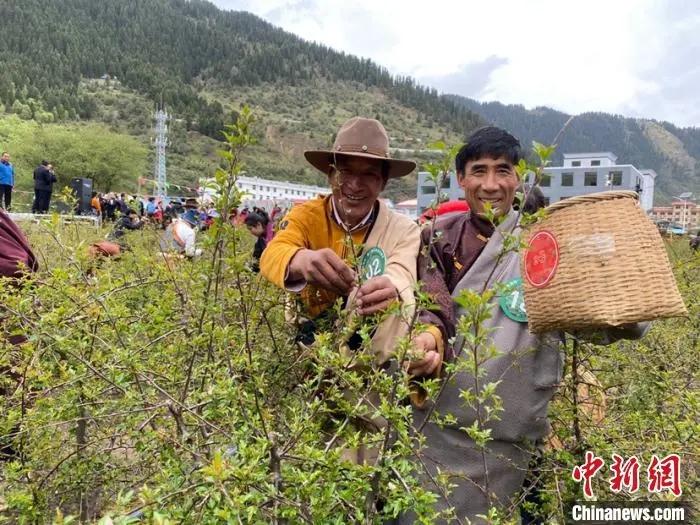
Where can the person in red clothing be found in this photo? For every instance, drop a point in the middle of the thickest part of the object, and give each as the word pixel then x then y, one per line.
pixel 443 209
pixel 16 256
pixel 16 261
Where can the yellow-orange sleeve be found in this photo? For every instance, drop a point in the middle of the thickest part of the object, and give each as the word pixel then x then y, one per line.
pixel 292 237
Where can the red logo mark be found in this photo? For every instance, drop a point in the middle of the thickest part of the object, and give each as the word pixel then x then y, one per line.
pixel 587 472
pixel 541 259
pixel 625 474
pixel 665 474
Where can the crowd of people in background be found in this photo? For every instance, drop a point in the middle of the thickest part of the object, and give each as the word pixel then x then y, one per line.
pixel 110 206
pixel 179 218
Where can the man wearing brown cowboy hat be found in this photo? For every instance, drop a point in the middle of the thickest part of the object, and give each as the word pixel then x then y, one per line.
pixel 310 254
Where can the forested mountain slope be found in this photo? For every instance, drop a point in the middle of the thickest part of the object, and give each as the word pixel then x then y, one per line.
pixel 173 49
pixel 203 63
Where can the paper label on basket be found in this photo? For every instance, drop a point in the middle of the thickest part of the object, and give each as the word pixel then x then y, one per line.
pixel 512 301
pixel 541 259
pixel 598 245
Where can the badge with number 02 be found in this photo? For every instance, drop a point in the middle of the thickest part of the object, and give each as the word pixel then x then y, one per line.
pixel 513 301
pixel 373 263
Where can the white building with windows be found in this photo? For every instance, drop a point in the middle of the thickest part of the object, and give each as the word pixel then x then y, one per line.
pixel 580 174
pixel 427 193
pixel 584 173
pixel 257 189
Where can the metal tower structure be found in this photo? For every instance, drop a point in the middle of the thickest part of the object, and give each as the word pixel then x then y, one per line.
pixel 161 142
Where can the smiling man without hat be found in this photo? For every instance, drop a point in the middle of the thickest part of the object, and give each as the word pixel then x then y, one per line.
pixel 310 256
pixel 469 251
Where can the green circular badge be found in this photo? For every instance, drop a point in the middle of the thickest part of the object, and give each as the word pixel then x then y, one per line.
pixel 373 263
pixel 513 301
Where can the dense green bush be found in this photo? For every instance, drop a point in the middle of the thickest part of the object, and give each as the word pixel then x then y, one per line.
pixel 174 389
pixel 171 391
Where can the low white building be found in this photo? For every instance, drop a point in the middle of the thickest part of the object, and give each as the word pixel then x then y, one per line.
pixel 257 189
pixel 580 174
pixel 583 173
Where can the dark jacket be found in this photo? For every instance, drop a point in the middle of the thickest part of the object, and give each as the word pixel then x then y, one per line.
pixel 258 250
pixel 44 179
pixel 459 240
pixel 109 208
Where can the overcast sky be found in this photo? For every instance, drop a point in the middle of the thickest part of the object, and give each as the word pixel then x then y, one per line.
pixel 639 58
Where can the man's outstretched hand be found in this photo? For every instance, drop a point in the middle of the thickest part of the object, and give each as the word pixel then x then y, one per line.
pixel 322 268
pixel 375 295
pixel 430 359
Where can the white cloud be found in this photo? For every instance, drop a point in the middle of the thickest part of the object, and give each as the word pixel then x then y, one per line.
pixel 635 57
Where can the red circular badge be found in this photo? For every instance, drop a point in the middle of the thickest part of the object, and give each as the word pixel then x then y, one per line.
pixel 541 259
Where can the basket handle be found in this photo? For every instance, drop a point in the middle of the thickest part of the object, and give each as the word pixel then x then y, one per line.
pixel 592 197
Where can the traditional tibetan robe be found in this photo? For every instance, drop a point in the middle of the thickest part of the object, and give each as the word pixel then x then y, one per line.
pixel 528 369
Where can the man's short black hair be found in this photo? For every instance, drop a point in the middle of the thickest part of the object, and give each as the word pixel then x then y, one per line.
pixel 253 219
pixel 44 162
pixel 491 142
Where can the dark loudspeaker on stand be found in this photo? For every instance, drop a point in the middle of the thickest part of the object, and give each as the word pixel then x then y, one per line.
pixel 82 190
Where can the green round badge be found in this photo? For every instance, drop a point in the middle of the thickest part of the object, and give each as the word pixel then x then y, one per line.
pixel 513 301
pixel 373 263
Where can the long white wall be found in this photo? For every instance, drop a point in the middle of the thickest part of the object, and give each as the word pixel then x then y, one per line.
pixel 268 189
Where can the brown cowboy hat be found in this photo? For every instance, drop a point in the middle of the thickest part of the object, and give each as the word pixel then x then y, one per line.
pixel 360 137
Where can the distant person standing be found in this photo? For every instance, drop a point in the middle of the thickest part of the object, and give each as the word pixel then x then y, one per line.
pixel 140 203
pixel 123 204
pixel 7 180
pixel 151 207
pixel 95 204
pixel 257 227
pixel 110 207
pixel 44 179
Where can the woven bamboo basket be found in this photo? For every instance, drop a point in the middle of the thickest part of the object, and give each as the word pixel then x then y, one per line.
pixel 597 260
